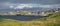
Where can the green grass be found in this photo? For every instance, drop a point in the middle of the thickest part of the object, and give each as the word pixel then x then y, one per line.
pixel 51 20
pixel 1 20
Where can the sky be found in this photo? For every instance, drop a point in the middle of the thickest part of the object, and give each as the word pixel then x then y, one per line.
pixel 21 4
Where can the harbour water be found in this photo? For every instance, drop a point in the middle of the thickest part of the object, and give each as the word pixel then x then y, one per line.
pixel 22 18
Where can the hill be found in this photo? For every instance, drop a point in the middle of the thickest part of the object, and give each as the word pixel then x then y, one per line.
pixel 52 20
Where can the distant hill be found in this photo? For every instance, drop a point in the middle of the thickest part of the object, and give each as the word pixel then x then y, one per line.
pixel 25 9
pixel 55 9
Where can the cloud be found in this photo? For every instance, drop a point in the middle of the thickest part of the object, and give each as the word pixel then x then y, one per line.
pixel 22 6
pixel 27 5
pixel 33 1
pixel 11 6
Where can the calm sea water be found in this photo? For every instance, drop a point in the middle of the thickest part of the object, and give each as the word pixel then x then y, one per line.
pixel 22 18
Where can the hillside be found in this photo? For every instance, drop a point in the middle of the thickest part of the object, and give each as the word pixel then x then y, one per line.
pixel 52 20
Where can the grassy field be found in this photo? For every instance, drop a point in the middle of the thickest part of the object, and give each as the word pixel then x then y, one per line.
pixel 52 20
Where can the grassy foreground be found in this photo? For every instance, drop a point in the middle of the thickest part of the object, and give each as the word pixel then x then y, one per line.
pixel 52 20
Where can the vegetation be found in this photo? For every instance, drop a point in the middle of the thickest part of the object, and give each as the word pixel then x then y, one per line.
pixel 51 20
pixel 1 20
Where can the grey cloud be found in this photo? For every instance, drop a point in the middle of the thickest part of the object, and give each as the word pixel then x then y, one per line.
pixel 33 1
pixel 44 3
pixel 20 1
pixel 7 5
